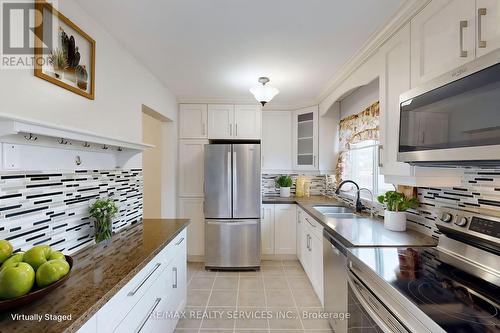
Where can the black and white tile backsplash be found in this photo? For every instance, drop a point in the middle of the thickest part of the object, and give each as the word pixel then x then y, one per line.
pixel 52 207
pixel 269 184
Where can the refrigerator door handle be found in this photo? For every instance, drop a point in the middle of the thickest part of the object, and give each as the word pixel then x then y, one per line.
pixel 235 183
pixel 232 222
pixel 229 180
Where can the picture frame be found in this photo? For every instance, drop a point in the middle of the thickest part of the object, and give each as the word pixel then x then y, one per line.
pixel 69 61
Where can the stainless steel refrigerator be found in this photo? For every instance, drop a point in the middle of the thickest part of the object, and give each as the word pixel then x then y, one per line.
pixel 232 206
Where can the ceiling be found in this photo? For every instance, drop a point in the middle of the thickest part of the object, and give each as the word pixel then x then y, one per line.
pixel 216 49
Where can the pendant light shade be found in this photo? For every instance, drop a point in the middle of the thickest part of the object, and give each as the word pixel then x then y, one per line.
pixel 263 93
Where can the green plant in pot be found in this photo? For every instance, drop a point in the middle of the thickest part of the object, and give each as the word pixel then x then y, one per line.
pixel 81 77
pixel 103 211
pixel 284 183
pixel 396 204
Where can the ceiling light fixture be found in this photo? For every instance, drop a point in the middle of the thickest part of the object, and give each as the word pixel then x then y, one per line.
pixel 263 93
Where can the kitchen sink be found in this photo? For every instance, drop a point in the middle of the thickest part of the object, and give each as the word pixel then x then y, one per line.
pixel 333 210
pixel 341 215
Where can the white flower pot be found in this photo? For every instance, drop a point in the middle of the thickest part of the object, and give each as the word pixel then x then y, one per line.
pixel 284 192
pixel 395 221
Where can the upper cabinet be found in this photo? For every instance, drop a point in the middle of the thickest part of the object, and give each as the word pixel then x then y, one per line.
pixel 193 121
pixel 227 121
pixel 276 141
pixel 442 38
pixel 247 121
pixel 221 121
pixel 305 139
pixel 449 33
pixel 488 26
pixel 394 80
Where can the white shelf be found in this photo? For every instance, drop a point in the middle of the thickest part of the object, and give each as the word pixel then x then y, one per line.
pixel 14 126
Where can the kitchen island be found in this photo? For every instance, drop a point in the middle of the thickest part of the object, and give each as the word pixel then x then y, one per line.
pixel 99 273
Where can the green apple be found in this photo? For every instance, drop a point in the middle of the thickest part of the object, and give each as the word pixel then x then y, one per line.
pixel 37 255
pixel 5 250
pixel 57 255
pixel 13 259
pixel 51 271
pixel 16 280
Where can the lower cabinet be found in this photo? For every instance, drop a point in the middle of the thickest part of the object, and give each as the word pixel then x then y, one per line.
pixel 310 252
pixel 278 229
pixel 192 208
pixel 147 301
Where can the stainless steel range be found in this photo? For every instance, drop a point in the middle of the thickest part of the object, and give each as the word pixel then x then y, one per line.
pixel 454 287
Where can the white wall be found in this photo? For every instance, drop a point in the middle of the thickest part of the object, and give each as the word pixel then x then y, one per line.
pixel 360 99
pixel 123 85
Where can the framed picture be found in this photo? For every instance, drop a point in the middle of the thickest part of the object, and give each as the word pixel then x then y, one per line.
pixel 64 53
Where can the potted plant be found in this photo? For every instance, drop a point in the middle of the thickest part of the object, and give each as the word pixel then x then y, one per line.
pixel 396 204
pixel 103 211
pixel 284 182
pixel 59 62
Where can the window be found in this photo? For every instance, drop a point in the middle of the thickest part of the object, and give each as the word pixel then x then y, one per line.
pixel 362 167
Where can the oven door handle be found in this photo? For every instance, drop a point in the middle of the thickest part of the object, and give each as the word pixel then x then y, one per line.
pixel 356 286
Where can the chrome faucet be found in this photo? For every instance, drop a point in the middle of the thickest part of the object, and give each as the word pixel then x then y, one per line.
pixel 372 207
pixel 359 205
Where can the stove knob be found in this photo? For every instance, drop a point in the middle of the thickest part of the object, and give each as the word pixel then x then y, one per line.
pixel 462 222
pixel 446 217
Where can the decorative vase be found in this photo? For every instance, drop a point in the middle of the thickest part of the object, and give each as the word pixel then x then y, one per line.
pixel 395 221
pixel 103 229
pixel 284 192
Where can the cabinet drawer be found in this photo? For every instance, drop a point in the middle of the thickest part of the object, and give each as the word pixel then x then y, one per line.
pixel 110 315
pixel 313 225
pixel 142 316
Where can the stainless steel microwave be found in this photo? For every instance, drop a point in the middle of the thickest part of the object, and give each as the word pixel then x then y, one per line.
pixel 454 120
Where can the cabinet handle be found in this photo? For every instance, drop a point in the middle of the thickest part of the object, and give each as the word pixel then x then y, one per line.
pixel 230 129
pixel 145 320
pixel 379 156
pixel 236 125
pixel 263 213
pixel 480 13
pixel 174 270
pixel 314 160
pixel 203 129
pixel 180 241
pixel 463 24
pixel 312 225
pixel 136 289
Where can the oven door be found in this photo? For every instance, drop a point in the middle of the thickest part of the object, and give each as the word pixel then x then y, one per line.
pixel 366 313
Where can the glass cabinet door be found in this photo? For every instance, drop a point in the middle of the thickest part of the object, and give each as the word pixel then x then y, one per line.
pixel 306 139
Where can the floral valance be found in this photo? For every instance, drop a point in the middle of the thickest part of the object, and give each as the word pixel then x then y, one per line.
pixel 354 129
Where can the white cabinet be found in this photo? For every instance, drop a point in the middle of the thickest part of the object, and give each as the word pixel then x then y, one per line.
pixel 276 141
pixel 160 286
pixel 442 38
pixel 227 121
pixel 284 229
pixel 247 122
pixel 267 229
pixel 191 167
pixel 90 326
pixel 193 121
pixel 488 26
pixel 305 139
pixel 192 208
pixel 220 121
pixel 310 238
pixel 278 229
pixel 299 231
pixel 394 80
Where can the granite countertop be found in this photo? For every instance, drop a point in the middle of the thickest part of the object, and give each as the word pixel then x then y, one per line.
pixel 98 273
pixel 363 231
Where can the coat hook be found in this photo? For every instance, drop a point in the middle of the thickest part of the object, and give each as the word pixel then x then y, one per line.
pixel 86 145
pixel 105 147
pixel 63 142
pixel 31 137
pixel 120 149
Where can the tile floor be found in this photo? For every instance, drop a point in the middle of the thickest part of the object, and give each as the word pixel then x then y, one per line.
pixel 274 299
